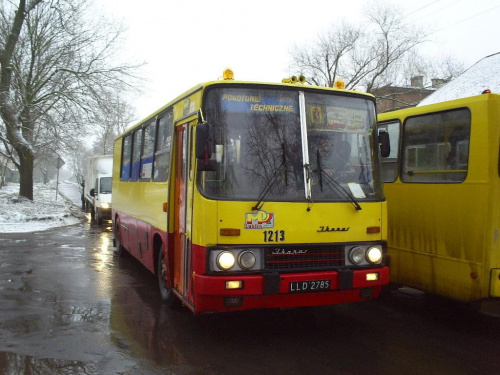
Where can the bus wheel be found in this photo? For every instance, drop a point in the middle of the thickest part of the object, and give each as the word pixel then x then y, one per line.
pixel 117 240
pixel 166 293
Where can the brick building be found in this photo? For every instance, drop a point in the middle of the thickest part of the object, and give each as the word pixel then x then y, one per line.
pixel 390 98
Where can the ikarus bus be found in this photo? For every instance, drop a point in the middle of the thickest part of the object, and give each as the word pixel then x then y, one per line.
pixel 442 183
pixel 243 195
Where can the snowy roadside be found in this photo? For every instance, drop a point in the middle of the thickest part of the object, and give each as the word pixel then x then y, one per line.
pixel 20 215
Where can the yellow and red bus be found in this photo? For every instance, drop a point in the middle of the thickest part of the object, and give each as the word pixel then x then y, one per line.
pixel 442 184
pixel 242 195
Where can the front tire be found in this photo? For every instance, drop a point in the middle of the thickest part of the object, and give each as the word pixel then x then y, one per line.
pixel 168 297
pixel 98 218
pixel 92 213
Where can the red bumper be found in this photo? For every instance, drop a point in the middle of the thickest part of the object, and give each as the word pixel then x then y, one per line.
pixel 211 295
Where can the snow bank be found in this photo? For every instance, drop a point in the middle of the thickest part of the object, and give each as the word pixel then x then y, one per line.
pixel 20 215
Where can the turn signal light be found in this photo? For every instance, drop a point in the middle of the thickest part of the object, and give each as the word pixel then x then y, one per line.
pixel 373 276
pixel 229 232
pixel 372 230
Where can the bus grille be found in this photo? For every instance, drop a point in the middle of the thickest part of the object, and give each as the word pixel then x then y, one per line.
pixel 304 258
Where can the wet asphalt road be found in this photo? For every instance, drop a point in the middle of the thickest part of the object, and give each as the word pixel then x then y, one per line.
pixel 68 305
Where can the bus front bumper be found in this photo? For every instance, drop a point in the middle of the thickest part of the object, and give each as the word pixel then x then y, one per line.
pixel 213 293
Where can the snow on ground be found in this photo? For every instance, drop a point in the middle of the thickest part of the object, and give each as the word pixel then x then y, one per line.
pixel 20 215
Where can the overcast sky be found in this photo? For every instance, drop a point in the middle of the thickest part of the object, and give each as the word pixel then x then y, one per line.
pixel 188 42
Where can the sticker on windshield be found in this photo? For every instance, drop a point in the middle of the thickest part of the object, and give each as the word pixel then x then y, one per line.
pixel 259 220
pixel 356 190
pixel 352 120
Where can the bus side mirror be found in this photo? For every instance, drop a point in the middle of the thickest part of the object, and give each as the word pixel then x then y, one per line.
pixel 203 141
pixel 204 147
pixel 384 143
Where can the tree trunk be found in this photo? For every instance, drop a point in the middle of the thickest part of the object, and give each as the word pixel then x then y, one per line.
pixel 2 176
pixel 25 172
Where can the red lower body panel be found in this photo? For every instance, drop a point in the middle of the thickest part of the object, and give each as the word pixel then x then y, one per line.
pixel 211 295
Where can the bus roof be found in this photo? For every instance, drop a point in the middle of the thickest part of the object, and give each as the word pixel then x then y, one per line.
pixel 436 107
pixel 201 86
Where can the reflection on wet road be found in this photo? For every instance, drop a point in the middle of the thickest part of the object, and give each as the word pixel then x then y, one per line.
pixel 69 306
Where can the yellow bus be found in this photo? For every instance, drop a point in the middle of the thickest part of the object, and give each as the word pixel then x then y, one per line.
pixel 442 185
pixel 242 195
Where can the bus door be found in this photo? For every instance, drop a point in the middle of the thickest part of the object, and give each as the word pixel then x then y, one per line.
pixel 180 201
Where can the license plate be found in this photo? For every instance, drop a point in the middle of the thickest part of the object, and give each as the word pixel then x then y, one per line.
pixel 309 286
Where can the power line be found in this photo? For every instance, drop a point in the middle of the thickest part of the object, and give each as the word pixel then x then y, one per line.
pixel 425 6
pixel 453 3
pixel 466 19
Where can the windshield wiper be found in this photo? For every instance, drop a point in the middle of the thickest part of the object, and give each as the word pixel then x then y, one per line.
pixel 334 184
pixel 271 182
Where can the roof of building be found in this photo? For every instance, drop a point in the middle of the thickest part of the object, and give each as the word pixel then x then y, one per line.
pixel 483 75
pixel 401 89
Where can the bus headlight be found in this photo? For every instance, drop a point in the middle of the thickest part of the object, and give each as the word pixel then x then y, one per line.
pixel 247 260
pixel 374 254
pixel 356 255
pixel 225 260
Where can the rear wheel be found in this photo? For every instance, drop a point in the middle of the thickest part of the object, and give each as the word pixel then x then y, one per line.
pixel 166 293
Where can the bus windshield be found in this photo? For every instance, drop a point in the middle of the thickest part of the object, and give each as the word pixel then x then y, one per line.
pixel 265 145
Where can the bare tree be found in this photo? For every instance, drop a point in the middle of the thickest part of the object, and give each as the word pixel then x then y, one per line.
pixel 55 61
pixel 14 133
pixel 109 120
pixel 6 154
pixel 76 157
pixel 444 67
pixel 363 56
pixel 323 61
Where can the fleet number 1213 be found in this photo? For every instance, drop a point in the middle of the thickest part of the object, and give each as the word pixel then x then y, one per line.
pixel 274 235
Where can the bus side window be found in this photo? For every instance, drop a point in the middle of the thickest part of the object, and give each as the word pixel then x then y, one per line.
pixel 436 147
pixel 147 152
pixel 390 164
pixel 136 155
pixel 163 147
pixel 126 154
